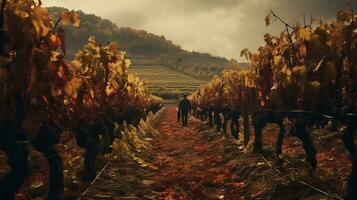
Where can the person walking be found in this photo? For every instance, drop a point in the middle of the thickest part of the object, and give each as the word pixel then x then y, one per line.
pixel 184 109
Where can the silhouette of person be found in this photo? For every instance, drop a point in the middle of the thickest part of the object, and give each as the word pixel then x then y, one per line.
pixel 184 109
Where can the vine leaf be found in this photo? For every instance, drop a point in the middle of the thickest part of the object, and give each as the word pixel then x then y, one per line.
pixel 71 17
pixel 345 15
pixel 268 19
pixel 72 87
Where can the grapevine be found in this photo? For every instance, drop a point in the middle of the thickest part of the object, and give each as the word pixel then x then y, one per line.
pixel 306 74
pixel 42 96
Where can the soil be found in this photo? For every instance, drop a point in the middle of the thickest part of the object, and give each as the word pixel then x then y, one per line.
pixel 197 162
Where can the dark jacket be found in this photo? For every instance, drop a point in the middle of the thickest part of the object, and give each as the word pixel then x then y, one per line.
pixel 184 105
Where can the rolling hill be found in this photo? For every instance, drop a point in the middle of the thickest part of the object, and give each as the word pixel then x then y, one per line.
pixel 142 46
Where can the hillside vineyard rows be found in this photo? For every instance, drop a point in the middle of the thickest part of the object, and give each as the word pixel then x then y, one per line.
pixel 89 128
pixel 165 82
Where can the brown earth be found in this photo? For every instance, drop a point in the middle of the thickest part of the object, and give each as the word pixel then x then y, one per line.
pixel 197 162
pixel 200 163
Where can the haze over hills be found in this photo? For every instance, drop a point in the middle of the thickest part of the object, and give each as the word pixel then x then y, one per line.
pixel 142 47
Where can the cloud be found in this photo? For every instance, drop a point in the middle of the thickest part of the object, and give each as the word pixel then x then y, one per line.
pixel 220 27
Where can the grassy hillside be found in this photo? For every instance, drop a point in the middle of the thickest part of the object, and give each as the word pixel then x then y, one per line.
pixel 141 44
pixel 165 82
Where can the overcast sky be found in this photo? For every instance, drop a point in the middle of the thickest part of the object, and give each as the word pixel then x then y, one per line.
pixel 219 27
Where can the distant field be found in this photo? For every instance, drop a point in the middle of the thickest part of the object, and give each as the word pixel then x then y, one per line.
pixel 165 82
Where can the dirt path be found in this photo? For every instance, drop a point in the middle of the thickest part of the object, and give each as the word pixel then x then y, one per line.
pixel 183 156
pixel 199 163
pixel 185 161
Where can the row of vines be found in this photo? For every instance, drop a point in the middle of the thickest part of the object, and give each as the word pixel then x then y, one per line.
pixel 43 96
pixel 307 74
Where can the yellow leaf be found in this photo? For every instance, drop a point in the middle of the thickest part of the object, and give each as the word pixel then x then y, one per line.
pixel 54 56
pixel 76 64
pixel 41 21
pixel 277 60
pixel 41 13
pixel 71 17
pixel 303 51
pixel 72 87
pixel 304 34
pixel 66 102
pixel 21 13
pixel 109 90
pixel 92 39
